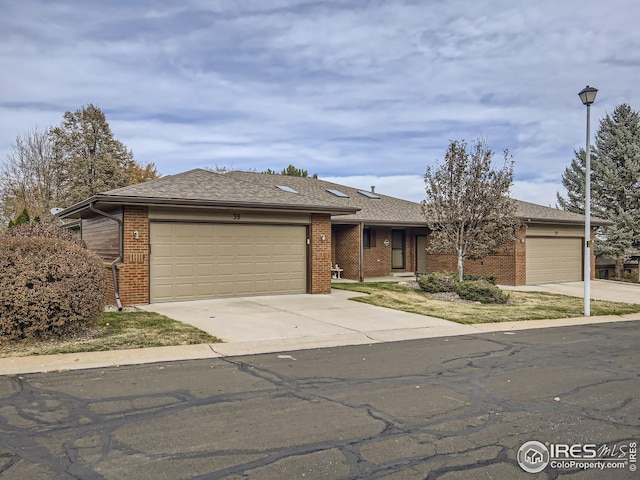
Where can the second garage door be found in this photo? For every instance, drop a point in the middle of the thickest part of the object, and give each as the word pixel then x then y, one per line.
pixel 191 261
pixel 553 260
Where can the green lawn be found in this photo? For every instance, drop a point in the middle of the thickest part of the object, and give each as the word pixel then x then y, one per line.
pixel 522 305
pixel 115 331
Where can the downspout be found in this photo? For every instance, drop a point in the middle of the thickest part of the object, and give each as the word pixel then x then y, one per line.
pixel 116 288
pixel 361 252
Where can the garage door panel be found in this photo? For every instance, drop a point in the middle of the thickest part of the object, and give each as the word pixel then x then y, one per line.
pixel 262 268
pixel 205 268
pixel 184 231
pixel 244 268
pixel 204 250
pixel 162 250
pixel 223 250
pixel 164 270
pixel 164 290
pixel 182 270
pixel 225 289
pixel 553 259
pixel 184 290
pixel 191 261
pixel 182 250
pixel 204 288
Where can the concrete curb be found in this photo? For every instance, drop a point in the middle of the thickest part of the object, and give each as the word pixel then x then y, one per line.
pixel 116 358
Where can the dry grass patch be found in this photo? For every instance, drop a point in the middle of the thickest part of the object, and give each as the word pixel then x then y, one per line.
pixel 521 305
pixel 115 331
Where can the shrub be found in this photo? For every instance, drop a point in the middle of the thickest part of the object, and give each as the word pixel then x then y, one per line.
pixel 43 230
pixel 438 282
pixel 48 287
pixel 489 278
pixel 481 291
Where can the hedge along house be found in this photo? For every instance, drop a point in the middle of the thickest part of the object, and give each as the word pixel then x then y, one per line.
pixel 201 234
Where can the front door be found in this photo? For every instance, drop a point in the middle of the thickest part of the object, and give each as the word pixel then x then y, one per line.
pixel 421 254
pixel 397 248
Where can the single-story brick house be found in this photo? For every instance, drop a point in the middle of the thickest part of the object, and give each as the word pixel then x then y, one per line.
pixel 606 267
pixel 202 234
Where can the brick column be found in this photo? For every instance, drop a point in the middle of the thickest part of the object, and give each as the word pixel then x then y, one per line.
pixel 134 272
pixel 320 253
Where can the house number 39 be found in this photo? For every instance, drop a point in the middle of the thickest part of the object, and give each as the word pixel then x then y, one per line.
pixel 236 216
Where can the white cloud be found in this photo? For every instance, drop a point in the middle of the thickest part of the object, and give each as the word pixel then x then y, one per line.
pixel 346 89
pixel 407 187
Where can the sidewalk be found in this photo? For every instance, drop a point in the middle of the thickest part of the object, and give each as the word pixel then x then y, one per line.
pixel 86 360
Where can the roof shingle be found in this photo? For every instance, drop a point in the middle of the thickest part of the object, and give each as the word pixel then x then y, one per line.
pixel 253 189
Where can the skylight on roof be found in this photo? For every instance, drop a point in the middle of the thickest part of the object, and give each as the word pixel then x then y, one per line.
pixel 368 194
pixel 284 188
pixel 337 193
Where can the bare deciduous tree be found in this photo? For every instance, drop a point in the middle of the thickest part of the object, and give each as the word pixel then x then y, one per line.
pixel 28 177
pixel 468 207
pixel 66 164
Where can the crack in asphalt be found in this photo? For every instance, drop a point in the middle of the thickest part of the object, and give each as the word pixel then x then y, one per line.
pixel 450 405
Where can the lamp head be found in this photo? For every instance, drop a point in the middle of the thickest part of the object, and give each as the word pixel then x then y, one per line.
pixel 588 95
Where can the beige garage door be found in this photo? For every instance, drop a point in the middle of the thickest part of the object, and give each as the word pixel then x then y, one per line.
pixel 552 260
pixel 196 260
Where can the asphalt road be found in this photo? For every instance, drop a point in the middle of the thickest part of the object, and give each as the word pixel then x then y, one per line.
pixel 445 408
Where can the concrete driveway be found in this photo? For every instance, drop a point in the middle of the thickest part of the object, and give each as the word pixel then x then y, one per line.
pixel 600 290
pixel 305 318
pixel 287 322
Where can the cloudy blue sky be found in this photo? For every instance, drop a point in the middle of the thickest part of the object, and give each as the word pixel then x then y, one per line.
pixel 363 92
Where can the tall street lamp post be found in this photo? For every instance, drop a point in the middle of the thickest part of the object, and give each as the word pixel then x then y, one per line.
pixel 588 96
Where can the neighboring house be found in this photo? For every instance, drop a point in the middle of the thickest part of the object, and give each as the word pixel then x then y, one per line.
pixel 606 267
pixel 201 234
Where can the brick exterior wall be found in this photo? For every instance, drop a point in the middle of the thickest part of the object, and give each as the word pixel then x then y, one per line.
pixel 376 258
pixel 509 267
pixel 346 250
pixel 320 268
pixel 502 266
pixel 133 273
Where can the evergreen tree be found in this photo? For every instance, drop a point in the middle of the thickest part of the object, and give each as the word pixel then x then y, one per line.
pixel 615 184
pixel 292 171
pixel 22 219
pixel 88 157
pixel 573 181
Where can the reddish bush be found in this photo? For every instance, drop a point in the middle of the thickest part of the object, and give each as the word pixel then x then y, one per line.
pixel 44 230
pixel 48 287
